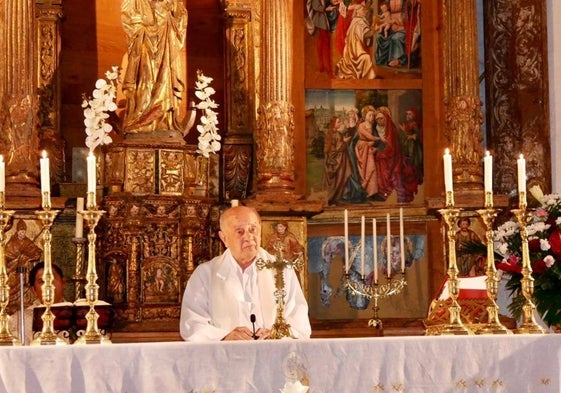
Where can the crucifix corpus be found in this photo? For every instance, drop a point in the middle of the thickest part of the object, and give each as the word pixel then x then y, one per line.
pixel 280 328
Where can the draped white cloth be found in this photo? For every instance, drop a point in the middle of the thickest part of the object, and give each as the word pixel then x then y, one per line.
pixel 517 363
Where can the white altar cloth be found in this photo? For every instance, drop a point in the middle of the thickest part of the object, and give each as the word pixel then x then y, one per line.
pixel 506 364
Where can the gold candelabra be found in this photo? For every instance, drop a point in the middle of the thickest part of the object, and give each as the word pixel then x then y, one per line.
pixel 280 328
pixel 376 291
pixel 529 325
pixel 493 325
pixel 92 334
pixel 6 337
pixel 47 217
pixel 455 325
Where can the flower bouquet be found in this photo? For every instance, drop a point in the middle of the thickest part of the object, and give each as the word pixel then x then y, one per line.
pixel 544 243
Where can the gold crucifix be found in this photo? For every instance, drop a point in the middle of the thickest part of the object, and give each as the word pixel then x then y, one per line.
pixel 280 328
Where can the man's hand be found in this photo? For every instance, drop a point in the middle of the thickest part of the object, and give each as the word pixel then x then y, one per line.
pixel 243 333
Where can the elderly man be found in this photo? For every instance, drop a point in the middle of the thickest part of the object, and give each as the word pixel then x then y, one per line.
pixel 226 295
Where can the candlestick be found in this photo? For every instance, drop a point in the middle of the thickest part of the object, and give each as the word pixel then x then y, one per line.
pixel 79 233
pixel 92 171
pixel 401 239
pixel 522 181
pixel 362 245
pixel 6 337
pixel 346 220
pixel 375 250
pixel 2 174
pixel 488 179
pixel 388 246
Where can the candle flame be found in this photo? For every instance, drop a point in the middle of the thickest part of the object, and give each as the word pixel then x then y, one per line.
pixel 44 154
pixel 487 153
pixel 446 151
pixel 521 156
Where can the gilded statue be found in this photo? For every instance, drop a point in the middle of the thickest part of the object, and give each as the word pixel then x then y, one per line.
pixel 152 80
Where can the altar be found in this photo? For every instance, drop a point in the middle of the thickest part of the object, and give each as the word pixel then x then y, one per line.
pixel 519 363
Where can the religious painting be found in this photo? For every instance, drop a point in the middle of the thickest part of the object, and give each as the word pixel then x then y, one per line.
pixel 330 297
pixel 471 251
pixel 358 39
pixel 364 146
pixel 285 237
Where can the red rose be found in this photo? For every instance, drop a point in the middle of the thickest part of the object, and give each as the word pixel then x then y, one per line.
pixel 534 245
pixel 555 243
pixel 539 266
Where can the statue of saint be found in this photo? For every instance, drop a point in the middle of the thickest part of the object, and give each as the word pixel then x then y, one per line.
pixel 156 31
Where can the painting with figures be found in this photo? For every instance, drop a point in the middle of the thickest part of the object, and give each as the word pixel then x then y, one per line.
pixel 364 146
pixel 362 39
pixel 330 299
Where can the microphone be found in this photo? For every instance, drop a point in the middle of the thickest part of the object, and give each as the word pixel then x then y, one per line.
pixel 252 319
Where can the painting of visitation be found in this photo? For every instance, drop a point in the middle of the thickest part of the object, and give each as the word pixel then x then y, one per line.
pixel 364 146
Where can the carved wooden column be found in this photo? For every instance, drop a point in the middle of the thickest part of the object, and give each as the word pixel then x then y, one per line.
pixel 463 114
pixel 517 91
pixel 49 14
pixel 275 127
pixel 240 96
pixel 19 137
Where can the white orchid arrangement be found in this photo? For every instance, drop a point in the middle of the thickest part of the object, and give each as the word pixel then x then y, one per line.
pixel 97 108
pixel 209 138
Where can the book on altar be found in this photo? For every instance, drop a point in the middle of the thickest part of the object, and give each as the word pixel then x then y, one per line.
pixel 70 318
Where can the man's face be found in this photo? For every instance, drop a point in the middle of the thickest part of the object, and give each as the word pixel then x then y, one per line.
pixel 241 233
pixel 21 234
pixel 281 228
pixel 58 282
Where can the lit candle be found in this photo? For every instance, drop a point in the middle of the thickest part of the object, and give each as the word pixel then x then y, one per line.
pixel 79 218
pixel 346 219
pixel 2 174
pixel 522 180
pixel 91 166
pixel 362 241
pixel 375 249
pixel 45 177
pixel 388 246
pixel 401 239
pixel 448 183
pixel 488 178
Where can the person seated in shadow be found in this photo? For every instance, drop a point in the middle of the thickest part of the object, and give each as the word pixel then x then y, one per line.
pixel 35 283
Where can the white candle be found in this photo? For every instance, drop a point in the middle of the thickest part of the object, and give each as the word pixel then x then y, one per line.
pixel 388 246
pixel 45 177
pixel 522 180
pixel 346 220
pixel 375 249
pixel 234 203
pixel 401 239
pixel 79 218
pixel 448 183
pixel 2 174
pixel 91 166
pixel 488 170
pixel 362 241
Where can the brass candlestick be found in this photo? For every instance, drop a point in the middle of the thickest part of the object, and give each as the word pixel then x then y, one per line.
pixel 92 334
pixel 455 327
pixel 376 291
pixel 6 337
pixel 529 325
pixel 493 325
pixel 78 278
pixel 280 328
pixel 47 335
